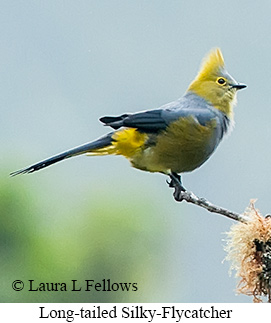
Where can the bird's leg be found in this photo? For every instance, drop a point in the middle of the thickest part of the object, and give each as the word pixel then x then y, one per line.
pixel 172 181
pixel 176 183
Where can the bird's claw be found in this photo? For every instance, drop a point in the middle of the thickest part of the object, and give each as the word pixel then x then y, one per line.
pixel 176 183
pixel 170 183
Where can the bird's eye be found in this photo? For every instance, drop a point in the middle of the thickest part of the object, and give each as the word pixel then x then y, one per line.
pixel 221 81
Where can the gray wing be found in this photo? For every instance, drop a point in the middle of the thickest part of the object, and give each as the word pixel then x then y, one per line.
pixel 158 119
pixel 155 120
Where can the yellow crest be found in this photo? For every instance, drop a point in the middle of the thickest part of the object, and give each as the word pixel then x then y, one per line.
pixel 211 64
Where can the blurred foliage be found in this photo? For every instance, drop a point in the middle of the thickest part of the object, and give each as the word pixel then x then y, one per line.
pixel 113 238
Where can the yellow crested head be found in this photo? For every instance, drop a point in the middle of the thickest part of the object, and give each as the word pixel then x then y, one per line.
pixel 211 64
pixel 215 84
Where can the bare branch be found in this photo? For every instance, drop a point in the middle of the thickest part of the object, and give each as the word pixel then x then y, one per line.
pixel 190 197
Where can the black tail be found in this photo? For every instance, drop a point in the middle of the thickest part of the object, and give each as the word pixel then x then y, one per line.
pixel 88 147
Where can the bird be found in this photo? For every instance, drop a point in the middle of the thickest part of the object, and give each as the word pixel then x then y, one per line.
pixel 174 139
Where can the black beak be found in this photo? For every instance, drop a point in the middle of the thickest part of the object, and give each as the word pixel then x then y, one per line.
pixel 238 86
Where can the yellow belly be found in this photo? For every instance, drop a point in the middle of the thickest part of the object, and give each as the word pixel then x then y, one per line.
pixel 182 147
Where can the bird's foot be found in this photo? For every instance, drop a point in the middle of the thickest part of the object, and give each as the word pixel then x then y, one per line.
pixel 176 183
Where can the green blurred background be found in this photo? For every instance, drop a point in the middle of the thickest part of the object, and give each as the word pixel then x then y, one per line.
pixel 63 64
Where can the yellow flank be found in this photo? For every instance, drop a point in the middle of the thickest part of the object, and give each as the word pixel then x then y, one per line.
pixel 127 142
